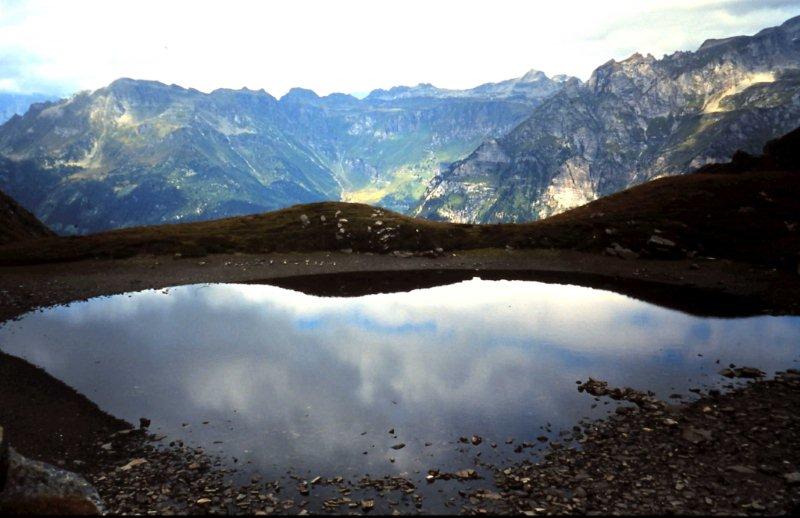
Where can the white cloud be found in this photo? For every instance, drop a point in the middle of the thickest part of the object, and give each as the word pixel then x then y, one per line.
pixel 349 45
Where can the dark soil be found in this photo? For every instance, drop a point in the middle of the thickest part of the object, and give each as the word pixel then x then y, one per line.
pixel 695 300
pixel 48 420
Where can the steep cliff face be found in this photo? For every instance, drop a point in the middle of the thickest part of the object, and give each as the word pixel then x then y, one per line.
pixel 630 122
pixel 141 152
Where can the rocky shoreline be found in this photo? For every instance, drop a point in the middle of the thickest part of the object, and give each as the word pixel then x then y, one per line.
pixel 731 453
pixel 725 454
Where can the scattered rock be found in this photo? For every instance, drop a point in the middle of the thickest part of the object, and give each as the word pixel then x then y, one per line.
pixel 742 470
pixel 132 464
pixel 742 372
pixel 660 241
pixel 793 478
pixel 616 250
pixel 695 435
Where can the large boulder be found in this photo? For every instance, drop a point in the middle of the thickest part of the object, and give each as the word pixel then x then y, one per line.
pixel 32 487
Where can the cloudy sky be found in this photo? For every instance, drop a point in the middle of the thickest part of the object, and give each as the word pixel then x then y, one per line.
pixel 350 46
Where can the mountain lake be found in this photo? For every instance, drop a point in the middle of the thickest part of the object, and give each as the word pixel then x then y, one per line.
pixel 280 383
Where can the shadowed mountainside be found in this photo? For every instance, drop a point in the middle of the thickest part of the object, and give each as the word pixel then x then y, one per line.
pixel 17 224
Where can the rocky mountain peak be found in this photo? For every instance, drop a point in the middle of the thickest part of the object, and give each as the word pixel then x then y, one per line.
pixel 300 95
pixel 563 78
pixel 633 120
pixel 533 76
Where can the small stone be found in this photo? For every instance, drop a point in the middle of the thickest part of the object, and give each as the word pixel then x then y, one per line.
pixel 743 470
pixel 695 435
pixel 660 241
pixel 793 478
pixel 132 464
pixel 742 372
pixel 466 474
pixel 399 446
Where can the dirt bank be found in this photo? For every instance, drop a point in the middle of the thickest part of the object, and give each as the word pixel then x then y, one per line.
pixel 761 290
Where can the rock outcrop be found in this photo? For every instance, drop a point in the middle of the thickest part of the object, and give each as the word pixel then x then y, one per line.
pixel 32 487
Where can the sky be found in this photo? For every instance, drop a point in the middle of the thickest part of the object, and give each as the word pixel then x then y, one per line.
pixel 352 46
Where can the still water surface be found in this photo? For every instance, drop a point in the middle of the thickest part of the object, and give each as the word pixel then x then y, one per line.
pixel 292 382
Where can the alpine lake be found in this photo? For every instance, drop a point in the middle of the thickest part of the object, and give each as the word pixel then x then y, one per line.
pixel 283 384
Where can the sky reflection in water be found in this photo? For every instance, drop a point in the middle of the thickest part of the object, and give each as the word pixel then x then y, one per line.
pixel 291 381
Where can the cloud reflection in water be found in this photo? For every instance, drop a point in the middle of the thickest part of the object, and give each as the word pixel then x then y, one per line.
pixel 291 380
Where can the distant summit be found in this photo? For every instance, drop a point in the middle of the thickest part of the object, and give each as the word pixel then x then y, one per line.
pixel 533 86
pixel 300 95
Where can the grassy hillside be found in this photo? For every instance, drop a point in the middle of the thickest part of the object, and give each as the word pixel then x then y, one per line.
pixel 750 216
pixel 744 210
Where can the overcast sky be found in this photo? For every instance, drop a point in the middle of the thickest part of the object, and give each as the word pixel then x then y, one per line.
pixel 349 46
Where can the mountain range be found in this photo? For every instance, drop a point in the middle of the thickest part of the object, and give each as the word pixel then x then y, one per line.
pixel 142 152
pixel 632 121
